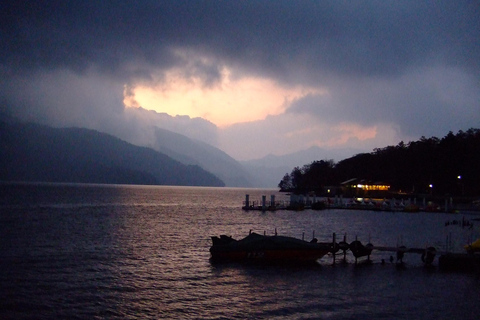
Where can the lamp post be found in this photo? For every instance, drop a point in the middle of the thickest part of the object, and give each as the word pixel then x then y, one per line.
pixel 431 188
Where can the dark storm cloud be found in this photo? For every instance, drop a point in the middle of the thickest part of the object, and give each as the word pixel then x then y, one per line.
pixel 434 99
pixel 293 40
pixel 80 34
pixel 412 64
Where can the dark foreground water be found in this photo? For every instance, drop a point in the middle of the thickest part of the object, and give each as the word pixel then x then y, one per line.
pixel 131 252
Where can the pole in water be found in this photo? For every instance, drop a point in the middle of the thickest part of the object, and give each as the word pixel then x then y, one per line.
pixel 333 246
pixel 356 239
pixel 369 244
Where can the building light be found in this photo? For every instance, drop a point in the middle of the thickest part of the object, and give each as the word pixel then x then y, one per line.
pixel 372 187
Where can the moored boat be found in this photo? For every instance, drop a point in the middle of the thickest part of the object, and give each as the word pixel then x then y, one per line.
pixel 262 248
pixel 473 247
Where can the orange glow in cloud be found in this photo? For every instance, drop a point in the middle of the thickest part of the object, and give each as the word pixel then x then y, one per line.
pixel 347 131
pixel 330 135
pixel 227 102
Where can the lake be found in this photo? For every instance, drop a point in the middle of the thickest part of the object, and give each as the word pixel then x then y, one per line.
pixel 73 251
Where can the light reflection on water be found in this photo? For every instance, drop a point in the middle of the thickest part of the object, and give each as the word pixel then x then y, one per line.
pixel 142 252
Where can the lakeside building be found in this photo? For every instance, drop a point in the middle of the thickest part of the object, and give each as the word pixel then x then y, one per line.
pixel 358 187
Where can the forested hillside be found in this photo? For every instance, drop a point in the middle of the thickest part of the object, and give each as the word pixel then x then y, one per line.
pixel 450 165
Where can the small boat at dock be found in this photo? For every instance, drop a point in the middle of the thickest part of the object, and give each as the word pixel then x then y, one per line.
pixel 271 249
pixel 473 247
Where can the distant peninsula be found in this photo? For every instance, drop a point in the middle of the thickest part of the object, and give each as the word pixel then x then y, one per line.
pixel 33 152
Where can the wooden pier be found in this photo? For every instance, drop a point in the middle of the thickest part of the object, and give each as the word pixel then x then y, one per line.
pixel 302 202
pixel 264 205
pixel 447 261
pixel 468 261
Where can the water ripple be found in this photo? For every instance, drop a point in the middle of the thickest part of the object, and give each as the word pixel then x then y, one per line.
pixel 142 253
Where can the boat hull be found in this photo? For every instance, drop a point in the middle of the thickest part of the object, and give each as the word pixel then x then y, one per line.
pixel 271 255
pixel 275 249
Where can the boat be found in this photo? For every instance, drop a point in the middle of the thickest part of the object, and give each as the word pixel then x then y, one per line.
pixel 263 248
pixel 473 247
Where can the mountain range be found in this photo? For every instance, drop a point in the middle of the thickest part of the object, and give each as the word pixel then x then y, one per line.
pixel 264 172
pixel 194 152
pixel 33 152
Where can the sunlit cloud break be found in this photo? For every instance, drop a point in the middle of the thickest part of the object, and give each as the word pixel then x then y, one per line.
pixel 229 101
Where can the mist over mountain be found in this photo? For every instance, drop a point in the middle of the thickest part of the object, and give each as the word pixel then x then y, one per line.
pixel 59 160
pixel 195 152
pixel 269 170
pixel 32 152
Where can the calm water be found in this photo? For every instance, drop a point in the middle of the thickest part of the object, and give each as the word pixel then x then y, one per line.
pixel 131 252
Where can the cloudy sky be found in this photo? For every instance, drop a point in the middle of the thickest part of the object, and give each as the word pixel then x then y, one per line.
pixel 249 77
